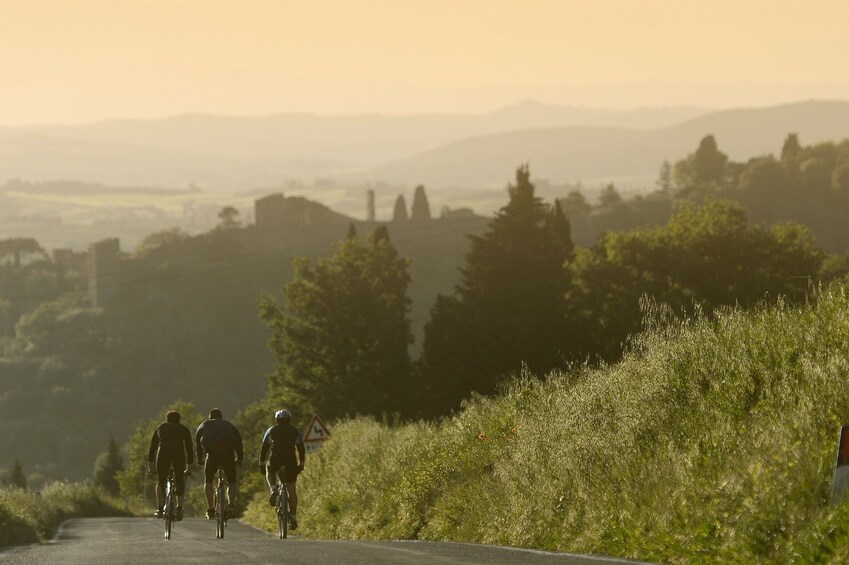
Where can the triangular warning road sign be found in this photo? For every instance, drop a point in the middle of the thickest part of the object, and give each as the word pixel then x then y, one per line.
pixel 317 430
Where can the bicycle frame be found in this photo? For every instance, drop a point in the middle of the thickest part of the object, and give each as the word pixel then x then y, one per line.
pixel 220 505
pixel 282 508
pixel 170 504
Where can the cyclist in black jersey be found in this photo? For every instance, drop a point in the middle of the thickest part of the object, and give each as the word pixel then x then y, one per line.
pixel 283 439
pixel 170 447
pixel 221 444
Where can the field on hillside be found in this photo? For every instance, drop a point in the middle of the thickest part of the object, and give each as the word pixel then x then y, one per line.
pixel 76 219
pixel 712 441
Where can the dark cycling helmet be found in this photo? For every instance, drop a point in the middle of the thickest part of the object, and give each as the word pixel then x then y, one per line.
pixel 280 414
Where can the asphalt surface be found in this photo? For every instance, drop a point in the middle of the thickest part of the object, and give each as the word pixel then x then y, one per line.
pixel 140 540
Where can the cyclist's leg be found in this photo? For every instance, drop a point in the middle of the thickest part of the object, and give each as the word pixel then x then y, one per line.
pixel 229 466
pixel 293 498
pixel 270 471
pixel 209 469
pixel 291 478
pixel 163 466
pixel 179 463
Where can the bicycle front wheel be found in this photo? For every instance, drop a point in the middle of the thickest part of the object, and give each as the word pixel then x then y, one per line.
pixel 169 517
pixel 283 512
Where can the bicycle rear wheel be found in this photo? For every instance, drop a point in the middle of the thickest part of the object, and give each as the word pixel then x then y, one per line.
pixel 283 511
pixel 221 514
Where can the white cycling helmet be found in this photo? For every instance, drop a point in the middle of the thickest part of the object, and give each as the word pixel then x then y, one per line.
pixel 282 414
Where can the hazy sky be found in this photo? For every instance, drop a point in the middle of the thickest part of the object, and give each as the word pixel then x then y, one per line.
pixel 78 60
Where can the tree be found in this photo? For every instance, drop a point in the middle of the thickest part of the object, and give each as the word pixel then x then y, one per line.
pixel 133 480
pixel 340 340
pixel 791 148
pixel 575 204
pixel 229 217
pixel 708 255
pixel 19 250
pixel 17 478
pixel 708 161
pixel 664 177
pixel 420 212
pixel 399 214
pixel 161 240
pixel 107 466
pixel 609 196
pixel 508 309
pixel 840 178
pixel 764 174
pixel 702 171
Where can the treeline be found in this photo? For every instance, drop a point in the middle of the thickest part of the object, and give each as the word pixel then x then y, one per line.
pixel 527 299
pixel 187 325
pixel 806 184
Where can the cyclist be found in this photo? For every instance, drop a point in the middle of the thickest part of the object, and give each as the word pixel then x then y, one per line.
pixel 283 439
pixel 219 444
pixel 170 446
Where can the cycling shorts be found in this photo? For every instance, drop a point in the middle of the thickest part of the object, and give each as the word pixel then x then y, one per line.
pixel 164 462
pixel 216 459
pixel 274 463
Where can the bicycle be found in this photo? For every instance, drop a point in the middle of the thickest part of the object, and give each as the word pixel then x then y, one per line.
pixel 282 506
pixel 170 504
pixel 220 504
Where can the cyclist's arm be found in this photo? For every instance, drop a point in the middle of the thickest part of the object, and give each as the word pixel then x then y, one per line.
pixel 302 451
pixel 154 446
pixel 266 443
pixel 187 442
pixel 240 454
pixel 198 446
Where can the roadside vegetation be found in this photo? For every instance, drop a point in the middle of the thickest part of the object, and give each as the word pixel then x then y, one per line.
pixel 713 440
pixel 33 516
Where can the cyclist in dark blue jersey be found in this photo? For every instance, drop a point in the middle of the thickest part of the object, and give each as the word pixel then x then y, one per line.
pixel 221 444
pixel 170 447
pixel 283 440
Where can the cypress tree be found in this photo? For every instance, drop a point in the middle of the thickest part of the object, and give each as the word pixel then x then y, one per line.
pixel 509 309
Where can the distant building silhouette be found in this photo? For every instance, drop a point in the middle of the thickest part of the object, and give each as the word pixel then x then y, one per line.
pixel 370 206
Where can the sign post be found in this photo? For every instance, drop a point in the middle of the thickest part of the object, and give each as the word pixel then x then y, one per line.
pixel 317 434
pixel 841 469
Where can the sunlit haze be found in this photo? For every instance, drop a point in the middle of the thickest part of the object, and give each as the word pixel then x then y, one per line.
pixel 80 60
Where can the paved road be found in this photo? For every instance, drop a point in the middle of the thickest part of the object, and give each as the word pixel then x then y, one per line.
pixel 139 540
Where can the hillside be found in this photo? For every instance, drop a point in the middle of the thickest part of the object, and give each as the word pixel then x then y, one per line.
pixel 712 441
pixel 230 152
pixel 628 157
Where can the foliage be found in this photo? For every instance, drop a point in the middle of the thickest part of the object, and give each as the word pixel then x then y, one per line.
pixel 706 168
pixel 508 309
pixel 712 441
pixel 134 481
pixel 420 210
pixel 340 340
pixel 160 241
pixel 609 196
pixel 107 466
pixel 17 479
pixel 28 517
pixel 706 256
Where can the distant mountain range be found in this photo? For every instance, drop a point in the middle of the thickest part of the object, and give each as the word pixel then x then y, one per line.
pixel 621 155
pixel 473 151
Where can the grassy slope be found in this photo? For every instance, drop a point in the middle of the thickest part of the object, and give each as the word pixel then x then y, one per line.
pixel 29 517
pixel 712 441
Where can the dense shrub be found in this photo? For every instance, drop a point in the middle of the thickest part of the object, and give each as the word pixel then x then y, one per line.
pixel 27 517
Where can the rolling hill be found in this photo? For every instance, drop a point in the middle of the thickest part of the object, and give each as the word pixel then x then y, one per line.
pixel 626 156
